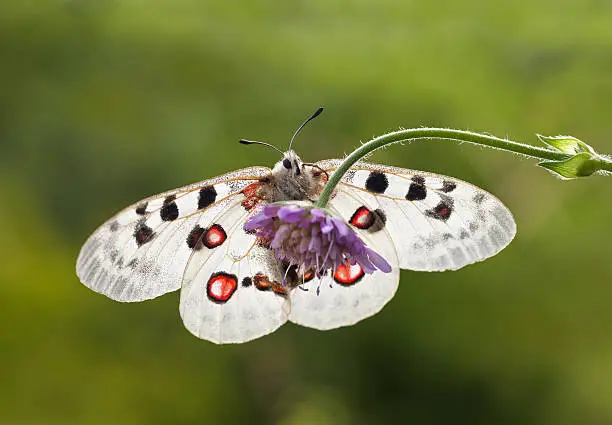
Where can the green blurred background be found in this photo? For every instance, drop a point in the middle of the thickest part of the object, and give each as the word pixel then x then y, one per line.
pixel 104 102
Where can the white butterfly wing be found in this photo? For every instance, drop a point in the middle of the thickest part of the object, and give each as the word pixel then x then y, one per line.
pixel 142 252
pixel 348 295
pixel 231 291
pixel 436 222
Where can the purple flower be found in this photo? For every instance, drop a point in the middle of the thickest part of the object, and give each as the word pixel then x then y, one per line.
pixel 312 240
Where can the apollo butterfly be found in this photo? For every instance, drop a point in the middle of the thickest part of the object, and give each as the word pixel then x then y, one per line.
pixel 235 289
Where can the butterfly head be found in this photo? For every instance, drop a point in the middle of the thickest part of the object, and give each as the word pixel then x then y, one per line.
pixel 294 180
pixel 290 165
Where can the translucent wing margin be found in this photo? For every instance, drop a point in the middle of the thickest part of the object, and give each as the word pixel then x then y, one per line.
pixel 436 222
pixel 141 252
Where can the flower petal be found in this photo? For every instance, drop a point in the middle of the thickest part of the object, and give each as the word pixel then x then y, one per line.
pixel 378 261
pixel 343 229
pixel 291 213
pixel 315 212
pixel 280 236
pixel 256 221
pixel 327 227
pixel 309 238
pixel 271 210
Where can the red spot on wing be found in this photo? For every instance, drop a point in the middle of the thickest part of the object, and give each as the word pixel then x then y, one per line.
pixel 347 274
pixel 442 211
pixel 279 289
pixel 214 236
pixel 362 218
pixel 308 276
pixel 252 189
pixel 249 203
pixel 251 193
pixel 262 282
pixel 143 233
pixel 221 286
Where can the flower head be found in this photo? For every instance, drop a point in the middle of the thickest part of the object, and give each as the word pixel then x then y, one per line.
pixel 312 239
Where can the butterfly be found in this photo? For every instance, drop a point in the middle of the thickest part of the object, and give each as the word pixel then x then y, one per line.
pixel 233 288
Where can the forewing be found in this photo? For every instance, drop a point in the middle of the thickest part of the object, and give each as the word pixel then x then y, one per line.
pixel 436 222
pixel 347 295
pixel 231 293
pixel 142 251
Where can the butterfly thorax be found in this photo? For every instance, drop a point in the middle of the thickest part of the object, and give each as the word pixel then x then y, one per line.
pixel 292 180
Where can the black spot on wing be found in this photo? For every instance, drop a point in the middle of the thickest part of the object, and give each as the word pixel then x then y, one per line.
pixel 194 239
pixel 141 209
pixel 479 197
pixel 291 274
pixel 418 180
pixel 114 254
pixel 380 220
pixel 247 281
pixel 208 195
pixel 169 211
pixel 417 190
pixel 143 233
pixel 114 226
pixel 448 186
pixel 442 211
pixel 377 182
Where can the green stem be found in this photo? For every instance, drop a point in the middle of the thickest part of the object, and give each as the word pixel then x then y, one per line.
pixel 606 165
pixel 442 134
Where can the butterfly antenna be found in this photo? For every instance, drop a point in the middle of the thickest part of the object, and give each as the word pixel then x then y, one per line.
pixel 313 116
pixel 253 142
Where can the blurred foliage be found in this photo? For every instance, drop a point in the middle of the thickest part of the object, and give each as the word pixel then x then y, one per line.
pixel 105 102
